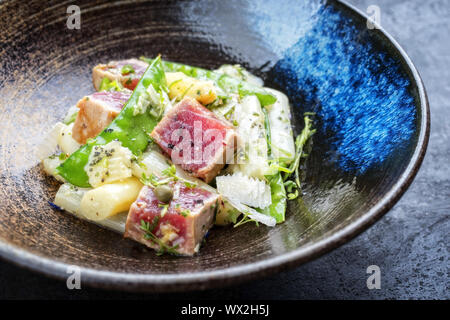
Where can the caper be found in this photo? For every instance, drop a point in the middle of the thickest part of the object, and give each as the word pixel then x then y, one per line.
pixel 164 193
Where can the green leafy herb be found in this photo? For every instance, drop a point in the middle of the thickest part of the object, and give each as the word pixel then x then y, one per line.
pixel 152 180
pixel 126 69
pixel 300 142
pixel 291 188
pixel 190 184
pixel 288 154
pixel 171 172
pixel 164 207
pixel 141 164
pixel 63 156
pixel 220 100
pixel 276 167
pixel 108 85
pixel 245 218
pixel 149 228
pixel 228 114
pixel 277 208
pixel 185 212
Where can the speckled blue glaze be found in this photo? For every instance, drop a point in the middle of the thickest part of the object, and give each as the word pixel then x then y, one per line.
pixel 359 93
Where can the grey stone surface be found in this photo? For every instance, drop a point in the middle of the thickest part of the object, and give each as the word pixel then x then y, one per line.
pixel 410 244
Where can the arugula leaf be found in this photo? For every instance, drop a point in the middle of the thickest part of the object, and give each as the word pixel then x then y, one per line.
pixel 300 142
pixel 278 207
pixel 245 218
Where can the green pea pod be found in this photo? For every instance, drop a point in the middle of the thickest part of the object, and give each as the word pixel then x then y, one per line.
pixel 278 207
pixel 224 82
pixel 131 129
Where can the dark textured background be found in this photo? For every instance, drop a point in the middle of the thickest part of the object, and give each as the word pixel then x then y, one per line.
pixel 410 244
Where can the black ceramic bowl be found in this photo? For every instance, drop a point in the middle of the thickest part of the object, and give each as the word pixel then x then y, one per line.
pixel 372 128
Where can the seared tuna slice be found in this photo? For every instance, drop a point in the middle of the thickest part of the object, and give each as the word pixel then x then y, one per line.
pixel 196 139
pixel 177 227
pixel 96 113
pixel 127 72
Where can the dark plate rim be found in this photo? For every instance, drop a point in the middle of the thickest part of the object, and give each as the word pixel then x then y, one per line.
pixel 237 274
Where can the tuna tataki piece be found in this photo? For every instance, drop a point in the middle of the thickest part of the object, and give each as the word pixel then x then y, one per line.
pixel 96 113
pixel 196 139
pixel 127 72
pixel 175 227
